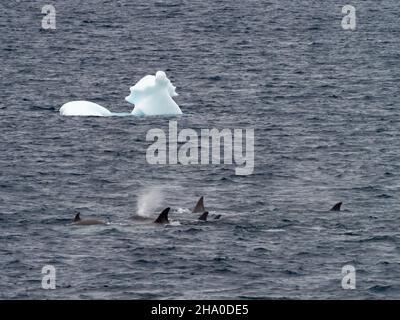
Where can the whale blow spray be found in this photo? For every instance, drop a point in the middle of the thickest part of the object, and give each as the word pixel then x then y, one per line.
pixel 149 201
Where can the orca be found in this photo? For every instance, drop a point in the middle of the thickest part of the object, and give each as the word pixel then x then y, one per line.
pixel 86 222
pixel 203 217
pixel 336 207
pixel 163 217
pixel 199 208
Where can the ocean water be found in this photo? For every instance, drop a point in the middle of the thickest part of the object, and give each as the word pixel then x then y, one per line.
pixel 324 106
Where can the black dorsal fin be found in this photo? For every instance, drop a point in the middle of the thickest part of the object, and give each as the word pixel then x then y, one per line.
pixel 163 217
pixel 77 217
pixel 203 217
pixel 336 207
pixel 199 208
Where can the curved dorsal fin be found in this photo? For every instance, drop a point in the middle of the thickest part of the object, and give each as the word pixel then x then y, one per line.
pixel 77 217
pixel 163 217
pixel 199 208
pixel 203 217
pixel 336 207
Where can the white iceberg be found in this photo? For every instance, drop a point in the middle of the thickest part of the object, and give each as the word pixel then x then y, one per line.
pixel 84 108
pixel 152 96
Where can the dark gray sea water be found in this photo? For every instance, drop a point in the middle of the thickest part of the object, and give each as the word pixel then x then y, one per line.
pixel 324 104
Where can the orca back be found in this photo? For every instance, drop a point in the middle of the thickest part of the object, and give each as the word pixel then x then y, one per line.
pixel 199 208
pixel 337 206
pixel 203 217
pixel 77 217
pixel 163 217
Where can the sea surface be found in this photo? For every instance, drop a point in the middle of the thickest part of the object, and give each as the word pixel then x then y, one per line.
pixel 324 106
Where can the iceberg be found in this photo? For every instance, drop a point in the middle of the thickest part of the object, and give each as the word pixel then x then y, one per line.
pixel 84 108
pixel 151 96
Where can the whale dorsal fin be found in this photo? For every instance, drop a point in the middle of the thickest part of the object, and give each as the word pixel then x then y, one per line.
pixel 77 217
pixel 199 208
pixel 336 207
pixel 163 217
pixel 203 217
